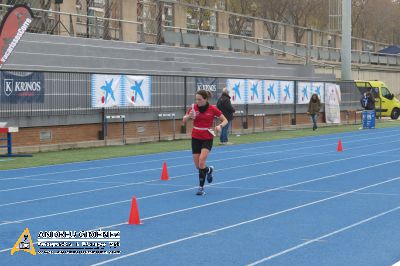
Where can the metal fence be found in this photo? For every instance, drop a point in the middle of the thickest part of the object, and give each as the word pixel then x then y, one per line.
pixel 86 24
pixel 223 41
pixel 70 94
pixel 155 19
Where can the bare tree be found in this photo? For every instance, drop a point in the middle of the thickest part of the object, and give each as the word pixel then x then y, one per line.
pixel 201 15
pixel 380 26
pixel 358 21
pixel 376 20
pixel 237 23
pixel 41 22
pixel 273 10
pixel 106 22
pixel 204 15
pixel 299 13
pixel 358 11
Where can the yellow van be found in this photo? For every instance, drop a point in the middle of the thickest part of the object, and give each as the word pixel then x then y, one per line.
pixel 385 102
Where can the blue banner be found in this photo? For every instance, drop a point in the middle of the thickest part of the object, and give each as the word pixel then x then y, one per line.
pixel 208 84
pixel 22 89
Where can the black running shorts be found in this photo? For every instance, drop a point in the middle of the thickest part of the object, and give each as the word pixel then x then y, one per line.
pixel 198 144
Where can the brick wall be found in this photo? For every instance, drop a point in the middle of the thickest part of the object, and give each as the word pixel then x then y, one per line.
pixel 146 130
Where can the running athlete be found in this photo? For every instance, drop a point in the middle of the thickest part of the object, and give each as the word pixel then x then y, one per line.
pixel 203 115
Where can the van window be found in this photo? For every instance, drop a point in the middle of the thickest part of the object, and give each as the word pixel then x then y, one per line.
pixel 386 93
pixel 375 92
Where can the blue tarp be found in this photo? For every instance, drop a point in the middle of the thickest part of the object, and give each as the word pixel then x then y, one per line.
pixel 390 50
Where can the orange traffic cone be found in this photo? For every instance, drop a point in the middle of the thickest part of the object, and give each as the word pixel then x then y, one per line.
pixel 134 215
pixel 339 146
pixel 164 174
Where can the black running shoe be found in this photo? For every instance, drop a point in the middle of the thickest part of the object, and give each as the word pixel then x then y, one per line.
pixel 209 174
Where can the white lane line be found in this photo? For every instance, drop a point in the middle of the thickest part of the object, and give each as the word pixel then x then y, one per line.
pixel 146 170
pixel 132 172
pixel 180 157
pixel 259 219
pixel 152 169
pixel 139 183
pixel 232 187
pixel 282 188
pixel 211 203
pixel 221 201
pixel 308 239
pixel 338 192
pixel 224 169
pixel 324 236
pixel 174 166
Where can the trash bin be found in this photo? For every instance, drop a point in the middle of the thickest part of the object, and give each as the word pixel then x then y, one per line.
pixel 368 119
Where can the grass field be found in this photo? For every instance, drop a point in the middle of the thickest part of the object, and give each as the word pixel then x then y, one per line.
pixel 76 155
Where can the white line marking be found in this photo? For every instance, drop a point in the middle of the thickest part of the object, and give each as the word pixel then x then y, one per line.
pixel 152 169
pixel 258 219
pixel 338 192
pixel 243 196
pixel 159 160
pixel 146 170
pixel 153 180
pixel 174 166
pixel 145 197
pixel 182 157
pixel 201 206
pixel 156 180
pixel 213 203
pixel 308 239
pixel 324 236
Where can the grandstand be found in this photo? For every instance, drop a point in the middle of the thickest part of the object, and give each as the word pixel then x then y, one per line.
pixel 67 118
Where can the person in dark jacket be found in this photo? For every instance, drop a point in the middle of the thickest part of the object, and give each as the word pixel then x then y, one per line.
pixel 368 101
pixel 313 109
pixel 224 104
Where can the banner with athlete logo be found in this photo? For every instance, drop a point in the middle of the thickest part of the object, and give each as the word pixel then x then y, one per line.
pixel 286 92
pixel 137 90
pixel 272 90
pixel 120 91
pixel 237 90
pixel 255 91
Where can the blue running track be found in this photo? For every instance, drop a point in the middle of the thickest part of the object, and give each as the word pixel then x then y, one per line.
pixel 286 202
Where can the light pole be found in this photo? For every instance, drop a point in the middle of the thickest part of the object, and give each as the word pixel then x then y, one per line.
pixel 346 40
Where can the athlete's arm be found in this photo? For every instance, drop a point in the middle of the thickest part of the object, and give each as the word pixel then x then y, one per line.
pixel 188 115
pixel 185 118
pixel 224 122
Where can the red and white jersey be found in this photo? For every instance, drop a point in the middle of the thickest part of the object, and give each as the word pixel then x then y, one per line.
pixel 204 121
